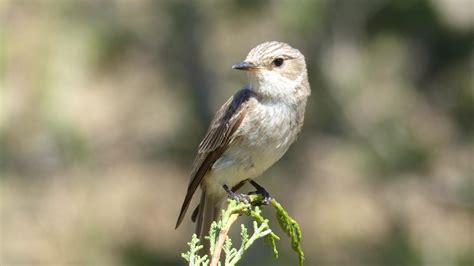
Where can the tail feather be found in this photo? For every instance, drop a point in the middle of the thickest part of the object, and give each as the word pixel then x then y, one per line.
pixel 208 212
pixel 200 214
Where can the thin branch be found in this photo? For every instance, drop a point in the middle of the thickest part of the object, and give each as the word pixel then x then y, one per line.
pixel 216 253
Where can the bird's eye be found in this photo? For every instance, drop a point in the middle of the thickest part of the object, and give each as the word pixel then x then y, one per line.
pixel 278 62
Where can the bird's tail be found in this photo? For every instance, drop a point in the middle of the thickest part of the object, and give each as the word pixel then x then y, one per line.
pixel 209 211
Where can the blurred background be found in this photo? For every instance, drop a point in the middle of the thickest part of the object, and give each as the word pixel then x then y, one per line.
pixel 103 104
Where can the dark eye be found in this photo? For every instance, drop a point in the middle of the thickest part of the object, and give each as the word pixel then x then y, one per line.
pixel 278 62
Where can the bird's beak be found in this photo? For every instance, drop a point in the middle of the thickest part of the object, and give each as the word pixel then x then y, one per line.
pixel 244 65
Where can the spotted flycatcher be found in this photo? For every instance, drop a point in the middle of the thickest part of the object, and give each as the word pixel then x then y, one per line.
pixel 251 131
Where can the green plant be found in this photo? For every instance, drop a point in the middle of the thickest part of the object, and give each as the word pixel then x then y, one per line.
pixel 219 239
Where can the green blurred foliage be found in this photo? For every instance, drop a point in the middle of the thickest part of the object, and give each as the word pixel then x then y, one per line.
pixel 103 104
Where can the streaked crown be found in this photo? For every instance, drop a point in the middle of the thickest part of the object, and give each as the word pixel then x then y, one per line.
pixel 273 49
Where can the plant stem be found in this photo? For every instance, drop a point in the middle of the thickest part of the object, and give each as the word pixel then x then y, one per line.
pixel 221 239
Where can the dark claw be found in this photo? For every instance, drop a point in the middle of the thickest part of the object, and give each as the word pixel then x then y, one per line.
pixel 262 191
pixel 238 197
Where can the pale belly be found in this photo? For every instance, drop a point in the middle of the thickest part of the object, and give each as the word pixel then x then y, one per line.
pixel 263 141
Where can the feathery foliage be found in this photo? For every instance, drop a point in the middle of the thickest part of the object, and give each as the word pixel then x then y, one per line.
pixel 220 241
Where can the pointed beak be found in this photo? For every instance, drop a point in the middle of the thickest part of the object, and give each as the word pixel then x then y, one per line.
pixel 244 65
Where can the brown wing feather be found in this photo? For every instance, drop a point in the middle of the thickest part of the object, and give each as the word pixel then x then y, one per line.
pixel 219 135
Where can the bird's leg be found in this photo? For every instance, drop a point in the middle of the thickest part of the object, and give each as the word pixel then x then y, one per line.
pixel 239 185
pixel 234 189
pixel 238 197
pixel 262 191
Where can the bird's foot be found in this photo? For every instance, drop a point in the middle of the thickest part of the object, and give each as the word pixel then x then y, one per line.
pixel 236 196
pixel 262 191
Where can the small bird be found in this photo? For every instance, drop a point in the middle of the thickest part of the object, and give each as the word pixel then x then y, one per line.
pixel 251 131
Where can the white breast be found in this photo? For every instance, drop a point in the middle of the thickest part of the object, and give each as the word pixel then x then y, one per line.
pixel 264 136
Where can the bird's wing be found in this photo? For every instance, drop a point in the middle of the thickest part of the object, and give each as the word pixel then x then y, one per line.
pixel 218 137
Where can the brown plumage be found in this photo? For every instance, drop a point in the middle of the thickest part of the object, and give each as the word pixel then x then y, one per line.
pixel 251 131
pixel 216 141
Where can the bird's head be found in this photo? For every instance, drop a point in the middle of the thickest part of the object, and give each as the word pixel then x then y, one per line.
pixel 275 69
